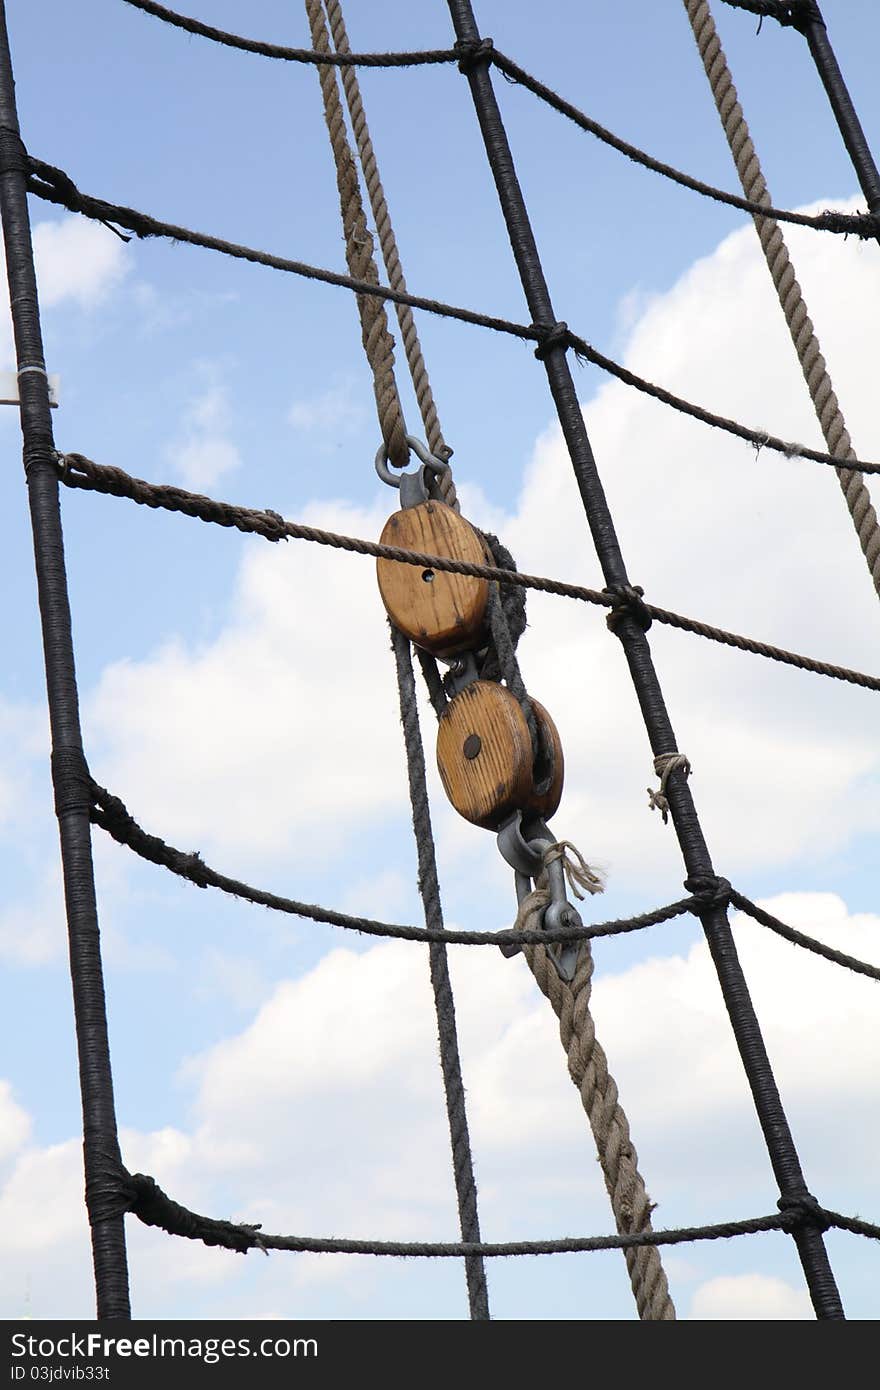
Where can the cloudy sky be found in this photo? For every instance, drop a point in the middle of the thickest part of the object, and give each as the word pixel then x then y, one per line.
pixel 239 697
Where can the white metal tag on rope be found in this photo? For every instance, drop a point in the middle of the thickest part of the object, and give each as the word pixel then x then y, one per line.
pixel 9 388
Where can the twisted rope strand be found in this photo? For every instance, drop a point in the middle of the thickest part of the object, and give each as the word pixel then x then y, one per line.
pixel 377 340
pixel 588 1068
pixel 789 292
pixel 390 253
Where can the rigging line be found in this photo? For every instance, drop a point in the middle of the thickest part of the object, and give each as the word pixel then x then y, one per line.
pixel 63 192
pixel 69 775
pixel 81 473
pixel 829 221
pixel 114 818
pixel 378 347
pixel 791 300
pixel 842 223
pixel 630 628
pixel 798 938
pixel 450 1061
pixel 377 340
pixel 390 253
pixel 293 55
pixel 142 1195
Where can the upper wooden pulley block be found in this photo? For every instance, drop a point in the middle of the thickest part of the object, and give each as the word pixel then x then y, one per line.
pixel 441 612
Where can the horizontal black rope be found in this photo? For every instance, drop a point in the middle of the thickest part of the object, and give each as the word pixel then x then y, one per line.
pixel 293 55
pixel 858 224
pixel 142 1195
pixel 113 816
pixel 785 12
pixel 862 225
pixel 77 471
pixel 56 187
pixel 798 938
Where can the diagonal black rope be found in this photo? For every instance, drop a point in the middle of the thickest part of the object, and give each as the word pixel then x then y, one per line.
pixel 69 772
pixel 798 938
pixel 79 472
pixel 113 816
pixel 630 627
pixel 142 1195
pixel 450 1062
pixel 858 224
pixel 54 186
pixel 292 55
pixel 828 221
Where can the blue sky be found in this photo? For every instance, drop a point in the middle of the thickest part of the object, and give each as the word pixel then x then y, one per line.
pixel 239 697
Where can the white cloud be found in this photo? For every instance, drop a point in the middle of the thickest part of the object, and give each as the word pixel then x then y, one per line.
pixel 77 260
pixel 324 1115
pixel 333 412
pixel 204 453
pixel 749 1298
pixel 15 1123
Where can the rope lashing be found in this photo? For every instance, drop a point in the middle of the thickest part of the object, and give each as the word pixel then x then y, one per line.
pixel 664 765
pixel 710 891
pixel 472 53
pixel 581 878
pixel 803 336
pixel 628 601
pixel 806 1210
pixel 795 14
pixel 556 335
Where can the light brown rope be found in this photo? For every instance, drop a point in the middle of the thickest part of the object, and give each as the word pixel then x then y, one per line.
pixel 377 340
pixel 588 1069
pixel 806 344
pixel 391 255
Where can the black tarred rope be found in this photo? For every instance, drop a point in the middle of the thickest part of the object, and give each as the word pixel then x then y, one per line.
pixel 70 775
pixel 55 186
pixel 450 1061
pixel 142 1195
pixel 829 221
pixel 777 1135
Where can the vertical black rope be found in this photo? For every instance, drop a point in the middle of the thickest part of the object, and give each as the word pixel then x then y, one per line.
pixel 450 1062
pixel 811 24
pixel 630 621
pixel 70 775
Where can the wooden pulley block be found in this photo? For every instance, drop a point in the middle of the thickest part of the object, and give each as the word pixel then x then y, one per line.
pixel 441 612
pixel 484 754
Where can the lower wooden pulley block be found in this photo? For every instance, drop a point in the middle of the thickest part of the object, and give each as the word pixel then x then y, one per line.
pixel 485 757
pixel 443 613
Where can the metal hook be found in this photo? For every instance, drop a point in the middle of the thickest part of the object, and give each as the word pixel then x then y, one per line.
pixel 414 487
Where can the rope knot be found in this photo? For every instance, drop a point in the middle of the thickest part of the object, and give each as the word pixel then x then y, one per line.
pixel 553 335
pixel 664 765
pixel 708 891
pixel 471 52
pixel 803 1209
pixel 276 521
pixel 628 602
pixel 581 878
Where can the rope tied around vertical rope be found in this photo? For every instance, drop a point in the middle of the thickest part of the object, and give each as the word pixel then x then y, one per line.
pixel 628 601
pixel 709 891
pixel 664 766
pixel 803 1209
pixel 554 335
pixel 472 53
pixel 795 14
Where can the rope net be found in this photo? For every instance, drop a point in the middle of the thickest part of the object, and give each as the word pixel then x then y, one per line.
pixel 111 1191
